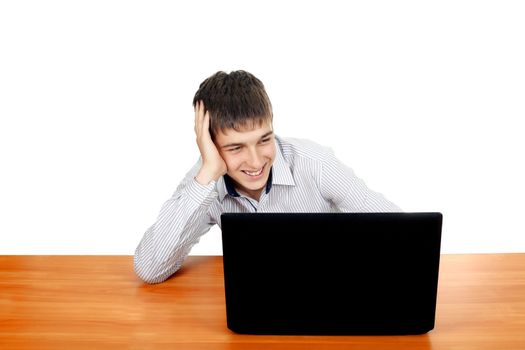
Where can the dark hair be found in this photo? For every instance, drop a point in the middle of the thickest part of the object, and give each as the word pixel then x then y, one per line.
pixel 235 101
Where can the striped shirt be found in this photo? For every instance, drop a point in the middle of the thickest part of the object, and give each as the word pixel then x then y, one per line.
pixel 305 177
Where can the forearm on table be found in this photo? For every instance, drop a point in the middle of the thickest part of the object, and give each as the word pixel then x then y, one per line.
pixel 181 222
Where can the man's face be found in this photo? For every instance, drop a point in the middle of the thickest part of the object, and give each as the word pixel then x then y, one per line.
pixel 249 155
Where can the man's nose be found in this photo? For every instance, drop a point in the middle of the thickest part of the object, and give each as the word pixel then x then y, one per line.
pixel 255 159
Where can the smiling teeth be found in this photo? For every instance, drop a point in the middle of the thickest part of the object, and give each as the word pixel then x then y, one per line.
pixel 255 173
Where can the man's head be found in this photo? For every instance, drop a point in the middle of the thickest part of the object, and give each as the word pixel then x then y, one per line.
pixel 241 127
pixel 235 101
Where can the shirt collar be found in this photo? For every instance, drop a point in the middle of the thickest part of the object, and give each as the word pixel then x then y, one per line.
pixel 280 174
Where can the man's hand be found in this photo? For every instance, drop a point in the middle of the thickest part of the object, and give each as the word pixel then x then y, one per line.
pixel 213 166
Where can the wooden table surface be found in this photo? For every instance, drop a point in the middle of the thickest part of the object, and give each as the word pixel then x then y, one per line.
pixel 96 302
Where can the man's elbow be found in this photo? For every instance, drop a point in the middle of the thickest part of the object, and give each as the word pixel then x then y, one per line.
pixel 149 279
pixel 150 273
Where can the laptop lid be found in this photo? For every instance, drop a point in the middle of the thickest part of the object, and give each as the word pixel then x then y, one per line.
pixel 331 273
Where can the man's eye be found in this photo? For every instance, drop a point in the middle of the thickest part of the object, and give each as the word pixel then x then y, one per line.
pixel 265 140
pixel 234 149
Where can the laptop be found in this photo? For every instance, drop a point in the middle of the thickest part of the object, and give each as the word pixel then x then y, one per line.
pixel 331 273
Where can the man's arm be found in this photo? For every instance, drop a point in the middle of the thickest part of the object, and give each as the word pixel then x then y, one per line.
pixel 183 218
pixel 341 186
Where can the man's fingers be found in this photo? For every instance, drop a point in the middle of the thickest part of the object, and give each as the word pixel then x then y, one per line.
pixel 202 122
pixel 199 116
pixel 196 116
pixel 206 122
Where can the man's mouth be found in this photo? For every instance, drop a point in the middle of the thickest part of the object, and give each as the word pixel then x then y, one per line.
pixel 253 173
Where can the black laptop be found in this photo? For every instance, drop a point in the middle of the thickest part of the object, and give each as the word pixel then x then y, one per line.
pixel 331 273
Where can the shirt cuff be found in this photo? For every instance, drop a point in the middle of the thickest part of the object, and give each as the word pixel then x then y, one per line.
pixel 201 194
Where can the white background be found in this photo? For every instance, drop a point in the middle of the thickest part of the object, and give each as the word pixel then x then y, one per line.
pixel 422 99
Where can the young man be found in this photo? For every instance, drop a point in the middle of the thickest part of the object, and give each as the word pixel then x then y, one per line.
pixel 245 167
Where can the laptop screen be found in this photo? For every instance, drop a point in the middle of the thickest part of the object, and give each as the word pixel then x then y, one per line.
pixel 331 273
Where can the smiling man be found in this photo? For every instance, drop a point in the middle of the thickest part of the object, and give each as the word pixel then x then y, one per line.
pixel 245 167
pixel 249 157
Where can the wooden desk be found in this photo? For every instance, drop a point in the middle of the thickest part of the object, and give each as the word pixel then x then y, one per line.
pixel 96 302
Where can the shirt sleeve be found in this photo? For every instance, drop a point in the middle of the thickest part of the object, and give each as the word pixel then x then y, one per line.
pixel 347 192
pixel 182 220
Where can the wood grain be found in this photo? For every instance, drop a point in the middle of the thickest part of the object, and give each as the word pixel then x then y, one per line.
pixel 96 302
